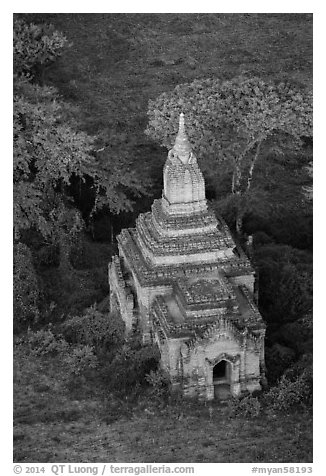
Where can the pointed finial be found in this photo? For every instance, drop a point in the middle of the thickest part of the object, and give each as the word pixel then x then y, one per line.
pixel 182 122
pixel 182 146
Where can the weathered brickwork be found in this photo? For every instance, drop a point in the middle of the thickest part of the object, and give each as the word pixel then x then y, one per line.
pixel 181 279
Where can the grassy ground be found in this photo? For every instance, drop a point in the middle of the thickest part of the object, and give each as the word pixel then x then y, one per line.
pixel 60 420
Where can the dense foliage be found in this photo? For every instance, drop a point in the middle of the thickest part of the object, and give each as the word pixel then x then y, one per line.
pixel 47 153
pixel 286 273
pixel 35 47
pixel 233 123
pixel 291 394
pixel 44 343
pixel 26 290
pixel 101 331
pixel 51 155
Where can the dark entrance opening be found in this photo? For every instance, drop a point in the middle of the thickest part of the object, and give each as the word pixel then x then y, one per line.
pixel 221 380
pixel 219 371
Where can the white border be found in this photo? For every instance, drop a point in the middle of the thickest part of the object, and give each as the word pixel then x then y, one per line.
pixel 167 6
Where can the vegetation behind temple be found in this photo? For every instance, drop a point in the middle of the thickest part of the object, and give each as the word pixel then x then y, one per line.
pixel 66 220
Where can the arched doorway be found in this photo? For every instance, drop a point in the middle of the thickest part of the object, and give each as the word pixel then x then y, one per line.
pixel 222 379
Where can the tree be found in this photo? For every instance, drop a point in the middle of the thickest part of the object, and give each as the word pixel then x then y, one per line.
pixel 281 181
pixel 36 47
pixel 285 283
pixel 49 152
pixel 232 123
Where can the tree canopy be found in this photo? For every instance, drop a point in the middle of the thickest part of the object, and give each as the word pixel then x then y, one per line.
pixel 230 122
pixel 35 47
pixel 50 152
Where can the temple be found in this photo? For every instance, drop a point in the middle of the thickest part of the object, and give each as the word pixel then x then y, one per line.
pixel 182 280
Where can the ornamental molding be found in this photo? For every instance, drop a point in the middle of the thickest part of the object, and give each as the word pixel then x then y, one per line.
pixel 233 359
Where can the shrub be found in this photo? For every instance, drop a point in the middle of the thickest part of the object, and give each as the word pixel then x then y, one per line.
pixel 80 359
pixel 290 394
pixel 286 273
pixel 95 329
pixel 159 382
pixel 298 335
pixel 261 238
pixel 48 256
pixel 246 407
pixel 278 358
pixel 304 364
pixel 129 367
pixel 44 342
pixel 86 253
pixel 26 291
pixel 77 293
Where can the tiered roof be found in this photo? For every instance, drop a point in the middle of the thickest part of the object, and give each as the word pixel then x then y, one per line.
pixel 193 308
pixel 149 274
pixel 182 244
pixel 172 246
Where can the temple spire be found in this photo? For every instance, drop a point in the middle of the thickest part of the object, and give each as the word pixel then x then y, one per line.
pixel 182 147
pixel 182 123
